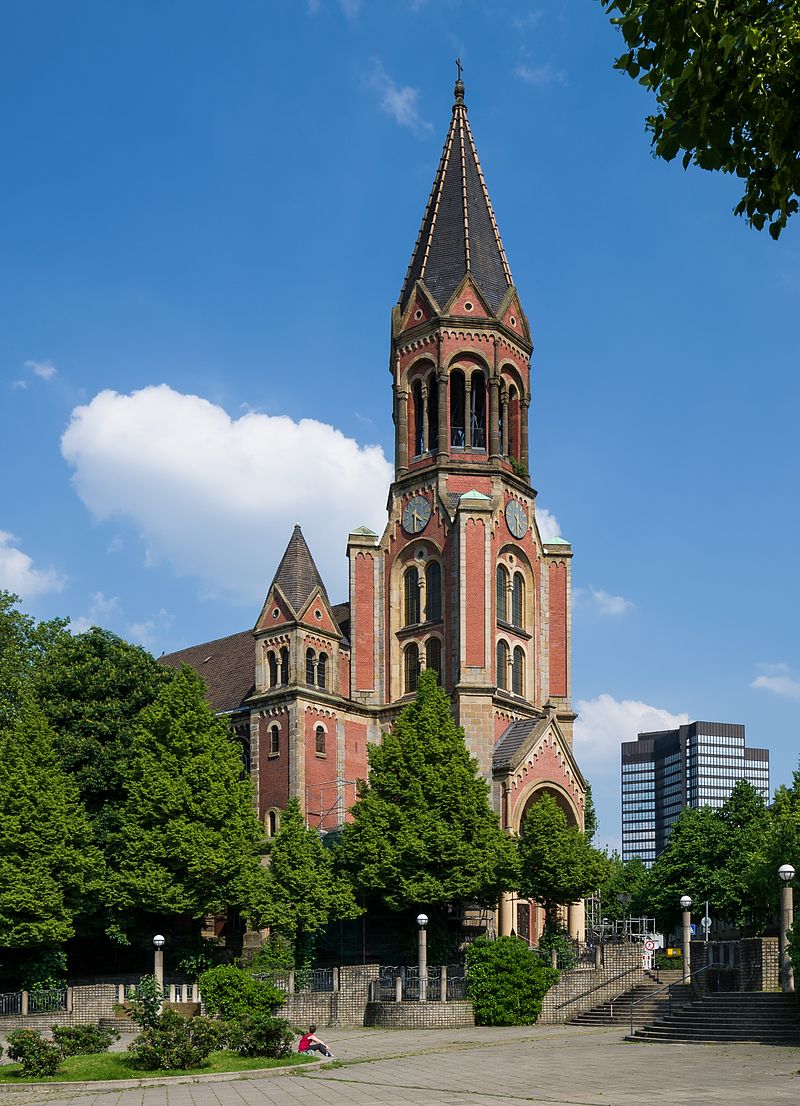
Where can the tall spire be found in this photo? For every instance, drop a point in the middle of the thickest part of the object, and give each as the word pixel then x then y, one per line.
pixel 297 575
pixel 459 232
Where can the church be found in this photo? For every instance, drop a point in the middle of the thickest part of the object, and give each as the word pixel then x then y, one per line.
pixel 460 581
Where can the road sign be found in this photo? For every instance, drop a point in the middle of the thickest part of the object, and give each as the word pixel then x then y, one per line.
pixel 705 922
pixel 649 945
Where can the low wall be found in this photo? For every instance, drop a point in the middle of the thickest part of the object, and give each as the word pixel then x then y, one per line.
pixel 419 1015
pixel 85 1005
pixel 584 988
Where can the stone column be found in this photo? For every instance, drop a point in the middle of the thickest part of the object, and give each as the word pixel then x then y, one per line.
pixel 576 920
pixel 504 405
pixel 524 404
pixel 444 415
pixel 401 408
pixel 494 417
pixel 505 921
pixel 686 925
pixel 467 410
pixel 787 918
pixel 424 393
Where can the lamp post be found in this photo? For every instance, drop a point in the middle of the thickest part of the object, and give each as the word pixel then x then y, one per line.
pixel 422 921
pixel 158 964
pixel 686 920
pixel 786 875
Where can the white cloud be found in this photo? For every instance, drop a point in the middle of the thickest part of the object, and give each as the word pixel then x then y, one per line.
pixel 779 680
pixel 548 524
pixel 17 572
pixel 602 601
pixel 19 384
pixel 603 723
pixel 145 633
pixel 540 75
pixel 217 497
pixel 116 545
pixel 400 103
pixel 45 370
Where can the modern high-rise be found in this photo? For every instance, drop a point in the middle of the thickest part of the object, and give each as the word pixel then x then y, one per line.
pixel 692 766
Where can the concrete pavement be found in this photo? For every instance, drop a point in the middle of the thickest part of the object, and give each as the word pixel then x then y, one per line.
pixel 537 1066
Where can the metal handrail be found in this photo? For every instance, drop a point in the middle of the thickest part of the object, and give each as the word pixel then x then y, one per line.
pixel 603 983
pixel 668 987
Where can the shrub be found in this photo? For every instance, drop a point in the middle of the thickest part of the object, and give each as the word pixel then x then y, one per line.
pixel 145 1005
pixel 176 1042
pixel 232 993
pixel 260 1035
pixel 506 982
pixel 37 1056
pixel 556 937
pixel 83 1040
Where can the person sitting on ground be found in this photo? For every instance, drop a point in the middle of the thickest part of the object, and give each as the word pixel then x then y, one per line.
pixel 309 1042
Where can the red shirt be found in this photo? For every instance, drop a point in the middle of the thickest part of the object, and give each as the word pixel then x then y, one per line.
pixel 305 1040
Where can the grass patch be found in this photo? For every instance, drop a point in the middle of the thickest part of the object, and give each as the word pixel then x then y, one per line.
pixel 117 1065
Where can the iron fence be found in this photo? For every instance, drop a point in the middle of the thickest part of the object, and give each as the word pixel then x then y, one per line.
pixel 11 1003
pixel 443 984
pixel 47 1001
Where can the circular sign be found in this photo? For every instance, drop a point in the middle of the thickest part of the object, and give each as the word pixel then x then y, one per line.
pixel 649 945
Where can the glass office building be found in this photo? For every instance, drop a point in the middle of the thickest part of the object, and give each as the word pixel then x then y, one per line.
pixel 695 765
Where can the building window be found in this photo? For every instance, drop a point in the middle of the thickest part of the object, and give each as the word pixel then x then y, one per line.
pixel 416 399
pixel 457 430
pixel 502 594
pixel 518 601
pixel 322 669
pixel 274 741
pixel 433 413
pixel 433 592
pixel 272 662
pixel 272 823
pixel 310 667
pixel 411 596
pixel 319 735
pixel 411 667
pixel 433 656
pixel 518 672
pixel 284 664
pixel 513 422
pixel 502 665
pixel 477 416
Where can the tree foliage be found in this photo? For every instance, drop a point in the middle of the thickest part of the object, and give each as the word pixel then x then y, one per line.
pixel 558 866
pixel 188 841
pixel 303 892
pixel 506 981
pixel 423 831
pixel 24 644
pixel 726 75
pixel 48 863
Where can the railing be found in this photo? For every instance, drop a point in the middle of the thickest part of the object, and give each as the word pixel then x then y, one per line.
pixel 11 1003
pixel 308 981
pixel 668 988
pixel 637 969
pixel 400 983
pixel 47 1002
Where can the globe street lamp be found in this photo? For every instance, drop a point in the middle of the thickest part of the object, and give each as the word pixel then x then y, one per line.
pixel 422 921
pixel 158 965
pixel 786 875
pixel 686 919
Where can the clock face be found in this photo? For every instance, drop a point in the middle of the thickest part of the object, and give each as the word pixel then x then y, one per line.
pixel 517 518
pixel 416 514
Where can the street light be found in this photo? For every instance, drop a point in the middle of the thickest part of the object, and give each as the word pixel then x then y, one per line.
pixel 158 964
pixel 686 919
pixel 786 875
pixel 422 921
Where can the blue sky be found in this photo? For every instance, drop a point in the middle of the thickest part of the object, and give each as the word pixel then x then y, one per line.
pixel 207 213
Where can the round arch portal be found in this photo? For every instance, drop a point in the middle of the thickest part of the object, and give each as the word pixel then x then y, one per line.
pixel 535 792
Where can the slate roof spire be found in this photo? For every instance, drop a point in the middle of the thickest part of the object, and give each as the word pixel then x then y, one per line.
pixel 459 232
pixel 297 575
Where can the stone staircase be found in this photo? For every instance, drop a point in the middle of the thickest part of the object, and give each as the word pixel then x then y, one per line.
pixel 649 994
pixel 761 1016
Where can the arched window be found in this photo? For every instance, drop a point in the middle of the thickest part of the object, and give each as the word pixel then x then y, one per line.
pixel 477 408
pixel 433 656
pixel 411 666
pixel 272 823
pixel 433 413
pixel 416 401
pixel 310 667
pixel 502 594
pixel 502 665
pixel 411 596
pixel 518 672
pixel 513 422
pixel 272 662
pixel 433 592
pixel 274 741
pixel 322 669
pixel 284 664
pixel 518 602
pixel 319 737
pixel 457 429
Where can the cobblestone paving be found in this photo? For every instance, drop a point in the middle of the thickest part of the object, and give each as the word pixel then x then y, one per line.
pixel 543 1066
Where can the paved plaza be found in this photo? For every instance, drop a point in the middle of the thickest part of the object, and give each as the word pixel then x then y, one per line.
pixel 480 1067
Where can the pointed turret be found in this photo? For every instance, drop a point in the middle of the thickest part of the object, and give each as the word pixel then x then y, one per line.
pixel 459 234
pixel 297 575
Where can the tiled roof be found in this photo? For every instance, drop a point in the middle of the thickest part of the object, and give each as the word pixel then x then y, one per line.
pixel 504 755
pixel 459 232
pixel 341 612
pixel 227 666
pixel 297 575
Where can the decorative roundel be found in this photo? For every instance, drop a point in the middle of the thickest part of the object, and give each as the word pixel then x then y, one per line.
pixel 318 615
pixel 276 613
pixel 418 314
pixel 421 555
pixel 468 306
pixel 516 518
pixel 416 514
pixel 512 320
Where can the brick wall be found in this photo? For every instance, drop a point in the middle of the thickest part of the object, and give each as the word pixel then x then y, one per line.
pixel 419 1015
pixel 585 988
pixel 88 1005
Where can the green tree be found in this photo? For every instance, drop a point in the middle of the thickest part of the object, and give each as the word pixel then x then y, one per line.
pixel 24 643
pixel 91 690
pixel 589 814
pixel 623 878
pixel 779 844
pixel 725 76
pixel 558 866
pixel 423 831
pixel 48 864
pixel 303 892
pixel 188 841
